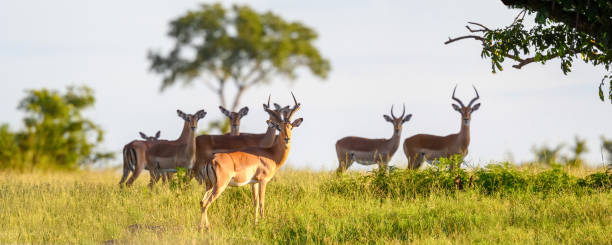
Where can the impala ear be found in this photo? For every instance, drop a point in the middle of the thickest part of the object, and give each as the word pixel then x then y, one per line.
pixel 457 108
pixel 277 106
pixel 475 107
pixel 297 122
pixel 142 135
pixel 182 115
pixel 388 118
pixel 157 134
pixel 200 114
pixel 243 112
pixel 407 118
pixel 224 111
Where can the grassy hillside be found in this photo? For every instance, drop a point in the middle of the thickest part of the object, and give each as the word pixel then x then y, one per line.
pixel 306 207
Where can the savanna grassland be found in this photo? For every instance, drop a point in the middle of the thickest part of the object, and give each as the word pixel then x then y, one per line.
pixel 501 205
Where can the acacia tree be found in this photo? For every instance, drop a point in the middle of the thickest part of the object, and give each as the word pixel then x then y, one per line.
pixel 564 30
pixel 236 46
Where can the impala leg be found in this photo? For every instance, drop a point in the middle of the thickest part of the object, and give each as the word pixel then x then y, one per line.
pixel 262 197
pixel 342 159
pixel 216 191
pixel 155 176
pixel 134 176
pixel 344 162
pixel 126 172
pixel 164 178
pixel 255 191
pixel 349 162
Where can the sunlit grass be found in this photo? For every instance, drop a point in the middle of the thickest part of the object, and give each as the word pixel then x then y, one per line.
pixel 90 208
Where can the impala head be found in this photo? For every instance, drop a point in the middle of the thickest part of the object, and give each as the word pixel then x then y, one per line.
pixel 234 117
pixel 277 111
pixel 192 120
pixel 398 121
pixel 466 111
pixel 150 138
pixel 283 123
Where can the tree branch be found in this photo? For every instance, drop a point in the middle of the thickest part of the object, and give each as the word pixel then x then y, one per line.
pixel 478 24
pixel 450 40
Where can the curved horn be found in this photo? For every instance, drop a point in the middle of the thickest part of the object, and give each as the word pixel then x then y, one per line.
pixel 295 108
pixel 455 98
pixel 267 105
pixel 474 99
pixel 294 100
pixel 403 111
pixel 392 112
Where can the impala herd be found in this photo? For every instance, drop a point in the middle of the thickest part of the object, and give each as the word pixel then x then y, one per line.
pixel 237 159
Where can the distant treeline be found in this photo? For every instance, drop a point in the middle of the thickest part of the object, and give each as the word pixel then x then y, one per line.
pixel 55 134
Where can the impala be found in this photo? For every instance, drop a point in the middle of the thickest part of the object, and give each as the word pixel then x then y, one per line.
pixel 207 145
pixel 370 151
pixel 166 156
pixel 429 147
pixel 234 118
pixel 256 166
pixel 134 158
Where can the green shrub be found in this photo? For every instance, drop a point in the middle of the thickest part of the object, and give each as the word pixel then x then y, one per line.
pixel 494 179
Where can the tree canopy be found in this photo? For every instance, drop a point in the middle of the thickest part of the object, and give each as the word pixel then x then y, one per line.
pixel 564 30
pixel 238 46
pixel 56 134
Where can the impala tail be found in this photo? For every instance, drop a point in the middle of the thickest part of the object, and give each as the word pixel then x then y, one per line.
pixel 129 160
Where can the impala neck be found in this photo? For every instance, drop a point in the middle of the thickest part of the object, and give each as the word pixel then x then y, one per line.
pixel 281 150
pixel 464 135
pixel 393 142
pixel 268 139
pixel 186 134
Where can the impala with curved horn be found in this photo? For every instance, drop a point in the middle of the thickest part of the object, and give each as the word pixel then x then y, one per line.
pixel 429 147
pixel 134 157
pixel 207 145
pixel 371 151
pixel 234 118
pixel 256 165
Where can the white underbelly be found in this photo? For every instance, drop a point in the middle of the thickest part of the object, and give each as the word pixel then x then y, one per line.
pixel 369 158
pixel 365 162
pixel 237 184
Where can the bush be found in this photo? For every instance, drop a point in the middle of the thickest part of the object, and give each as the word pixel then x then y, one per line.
pixel 495 179
pixel 55 134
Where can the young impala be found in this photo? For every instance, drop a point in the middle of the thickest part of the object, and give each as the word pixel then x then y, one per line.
pixel 134 158
pixel 429 147
pixel 256 166
pixel 166 156
pixel 234 118
pixel 370 151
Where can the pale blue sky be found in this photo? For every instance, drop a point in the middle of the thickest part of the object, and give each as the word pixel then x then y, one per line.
pixel 382 52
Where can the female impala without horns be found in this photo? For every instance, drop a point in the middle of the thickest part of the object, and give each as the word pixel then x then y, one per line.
pixel 429 147
pixel 134 157
pixel 166 156
pixel 254 165
pixel 234 118
pixel 370 151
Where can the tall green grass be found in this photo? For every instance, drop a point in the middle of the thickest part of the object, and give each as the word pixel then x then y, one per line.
pixel 422 207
